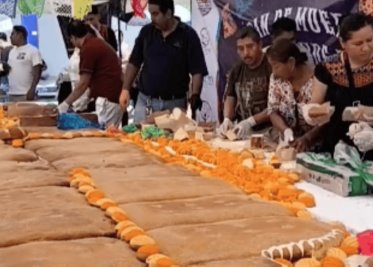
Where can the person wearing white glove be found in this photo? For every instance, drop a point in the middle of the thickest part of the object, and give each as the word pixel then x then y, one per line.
pixel 246 92
pixel 100 70
pixel 318 120
pixel 225 127
pixel 244 128
pixel 290 87
pixel 63 107
pixel 361 134
pixel 288 136
pixel 358 127
pixel 328 85
pixel 364 140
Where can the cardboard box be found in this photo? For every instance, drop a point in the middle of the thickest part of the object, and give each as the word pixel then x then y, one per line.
pixel 326 173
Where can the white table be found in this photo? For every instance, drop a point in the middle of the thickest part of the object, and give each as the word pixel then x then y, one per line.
pixel 356 213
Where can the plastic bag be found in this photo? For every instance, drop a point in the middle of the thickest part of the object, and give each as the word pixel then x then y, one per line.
pixel 72 121
pixel 130 128
pixel 153 132
pixel 349 156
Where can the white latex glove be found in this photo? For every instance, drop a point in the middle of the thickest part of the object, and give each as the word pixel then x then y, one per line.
pixel 63 107
pixel 364 140
pixel 288 136
pixel 358 127
pixel 243 129
pixel 225 127
pixel 315 121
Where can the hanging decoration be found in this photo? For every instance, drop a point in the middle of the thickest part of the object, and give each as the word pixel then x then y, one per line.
pixel 81 8
pixel 58 7
pixel 8 7
pixel 28 7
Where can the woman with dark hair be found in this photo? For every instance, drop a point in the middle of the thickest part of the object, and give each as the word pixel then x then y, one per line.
pixel 347 80
pixel 289 88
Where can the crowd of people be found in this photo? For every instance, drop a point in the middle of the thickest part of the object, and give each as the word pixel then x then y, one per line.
pixel 270 91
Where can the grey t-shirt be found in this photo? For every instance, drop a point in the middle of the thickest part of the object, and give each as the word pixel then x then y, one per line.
pixel 249 87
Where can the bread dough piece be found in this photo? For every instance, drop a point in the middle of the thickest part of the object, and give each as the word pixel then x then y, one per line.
pixel 81 146
pixel 10 166
pixel 49 213
pixel 149 169
pixel 78 143
pixel 154 187
pixel 16 154
pixel 31 178
pixel 192 244
pixel 90 252
pixel 104 160
pixel 249 262
pixel 199 210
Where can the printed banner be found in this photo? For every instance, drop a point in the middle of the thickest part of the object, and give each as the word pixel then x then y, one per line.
pixel 28 7
pixel 316 25
pixel 81 8
pixel 8 7
pixel 204 19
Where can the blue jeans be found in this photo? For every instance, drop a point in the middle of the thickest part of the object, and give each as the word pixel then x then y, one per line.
pixel 156 104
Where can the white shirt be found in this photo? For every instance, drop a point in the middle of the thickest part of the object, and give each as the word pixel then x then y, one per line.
pixel 22 59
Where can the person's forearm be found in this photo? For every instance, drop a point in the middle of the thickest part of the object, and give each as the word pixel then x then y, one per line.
pixel 229 107
pixel 77 92
pixel 36 74
pixel 197 80
pixel 261 117
pixel 129 76
pixel 315 134
pixel 278 122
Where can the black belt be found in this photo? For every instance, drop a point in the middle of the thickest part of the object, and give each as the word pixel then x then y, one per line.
pixel 166 97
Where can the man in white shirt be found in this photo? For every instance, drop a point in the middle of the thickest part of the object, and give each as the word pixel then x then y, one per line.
pixel 26 67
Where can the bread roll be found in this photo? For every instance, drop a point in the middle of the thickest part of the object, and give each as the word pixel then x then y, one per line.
pixel 141 240
pixel 315 112
pixel 145 251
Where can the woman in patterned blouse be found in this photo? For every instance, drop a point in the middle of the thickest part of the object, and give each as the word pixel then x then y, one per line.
pixel 289 88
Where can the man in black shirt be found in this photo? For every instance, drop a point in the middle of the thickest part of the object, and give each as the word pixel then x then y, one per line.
pixel 167 51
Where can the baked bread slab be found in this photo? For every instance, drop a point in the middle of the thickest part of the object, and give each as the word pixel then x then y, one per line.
pixel 49 213
pixel 190 244
pixel 89 252
pixel 215 208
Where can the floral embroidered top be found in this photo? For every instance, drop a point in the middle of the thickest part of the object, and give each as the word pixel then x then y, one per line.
pixel 287 103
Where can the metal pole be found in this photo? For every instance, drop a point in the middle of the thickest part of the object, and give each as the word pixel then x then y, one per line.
pixel 118 8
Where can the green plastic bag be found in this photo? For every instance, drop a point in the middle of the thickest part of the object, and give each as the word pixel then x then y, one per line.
pixel 349 156
pixel 130 128
pixel 153 132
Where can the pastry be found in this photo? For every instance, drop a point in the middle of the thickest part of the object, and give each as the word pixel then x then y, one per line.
pixel 141 240
pixel 304 248
pixel 145 251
